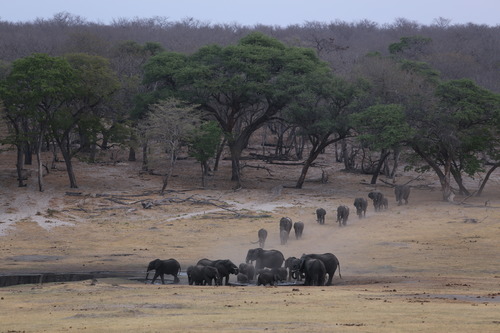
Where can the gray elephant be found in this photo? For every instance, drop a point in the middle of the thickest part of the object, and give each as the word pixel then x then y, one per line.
pixel 265 258
pixel 262 233
pixel 224 266
pixel 402 192
pixel 281 273
pixel 342 215
pixel 385 203
pixel 361 204
pixel 377 199
pixel 314 271
pixel 286 224
pixel 298 227
pixel 329 260
pixel 283 237
pixel 162 267
pixel 266 277
pixel 242 278
pixel 203 275
pixel 293 265
pixel 248 270
pixel 320 215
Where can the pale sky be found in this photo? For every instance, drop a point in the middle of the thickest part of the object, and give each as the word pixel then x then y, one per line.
pixel 251 12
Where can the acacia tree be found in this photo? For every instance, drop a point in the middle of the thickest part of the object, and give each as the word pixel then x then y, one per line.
pixel 240 86
pixel 322 112
pixel 452 137
pixel 37 87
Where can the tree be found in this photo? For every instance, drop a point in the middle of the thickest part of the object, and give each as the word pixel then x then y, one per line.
pixel 382 128
pixel 37 87
pixel 322 110
pixel 452 137
pixel 169 122
pixel 203 143
pixel 241 86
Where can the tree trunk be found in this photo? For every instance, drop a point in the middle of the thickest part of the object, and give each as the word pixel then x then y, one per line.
pixel 219 154
pixel 20 165
pixel 313 154
pixel 39 163
pixel 131 154
pixel 488 174
pixel 145 162
pixel 69 167
pixel 383 155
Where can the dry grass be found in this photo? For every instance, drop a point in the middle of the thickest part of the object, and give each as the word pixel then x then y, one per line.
pixel 429 266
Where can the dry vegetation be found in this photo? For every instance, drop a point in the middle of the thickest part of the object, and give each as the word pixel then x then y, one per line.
pixel 429 266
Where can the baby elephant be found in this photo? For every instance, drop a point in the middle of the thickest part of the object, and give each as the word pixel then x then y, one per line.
pixel 161 267
pixel 267 277
pixel 342 215
pixel 298 227
pixel 402 192
pixel 378 200
pixel 320 215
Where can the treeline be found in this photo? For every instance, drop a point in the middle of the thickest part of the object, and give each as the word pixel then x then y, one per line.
pixel 456 50
pixel 375 92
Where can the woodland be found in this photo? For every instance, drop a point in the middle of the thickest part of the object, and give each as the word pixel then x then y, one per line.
pixel 427 94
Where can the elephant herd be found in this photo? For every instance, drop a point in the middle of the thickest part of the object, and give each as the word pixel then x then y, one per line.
pixel 380 202
pixel 270 268
pixel 270 265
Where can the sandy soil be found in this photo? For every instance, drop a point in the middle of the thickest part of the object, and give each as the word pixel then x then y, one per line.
pixel 427 266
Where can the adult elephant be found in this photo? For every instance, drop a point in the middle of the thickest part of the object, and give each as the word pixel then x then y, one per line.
pixel 329 260
pixel 378 200
pixel 402 192
pixel 203 275
pixel 162 267
pixel 262 234
pixel 298 227
pixel 286 224
pixel 293 266
pixel 320 215
pixel 265 258
pixel 361 204
pixel 314 271
pixel 342 215
pixel 248 270
pixel 224 266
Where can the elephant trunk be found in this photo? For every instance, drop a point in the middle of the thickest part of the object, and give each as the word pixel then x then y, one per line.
pixel 147 274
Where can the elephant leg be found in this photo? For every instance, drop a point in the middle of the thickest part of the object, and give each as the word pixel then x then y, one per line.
pixel 162 279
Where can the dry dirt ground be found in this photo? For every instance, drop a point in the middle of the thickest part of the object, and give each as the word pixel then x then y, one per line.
pixel 428 266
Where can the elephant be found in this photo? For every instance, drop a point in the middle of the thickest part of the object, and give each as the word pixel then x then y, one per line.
pixel 203 275
pixel 298 227
pixel 377 198
pixel 402 192
pixel 329 260
pixel 266 277
pixel 265 258
pixel 162 267
pixel 385 203
pixel 342 215
pixel 361 204
pixel 242 278
pixel 262 233
pixel 283 237
pixel 314 271
pixel 224 266
pixel 292 264
pixel 248 270
pixel 320 215
pixel 286 224
pixel 281 273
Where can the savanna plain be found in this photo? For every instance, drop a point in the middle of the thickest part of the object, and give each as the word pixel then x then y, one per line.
pixel 429 266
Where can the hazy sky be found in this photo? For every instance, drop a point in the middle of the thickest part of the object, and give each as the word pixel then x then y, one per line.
pixel 250 12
